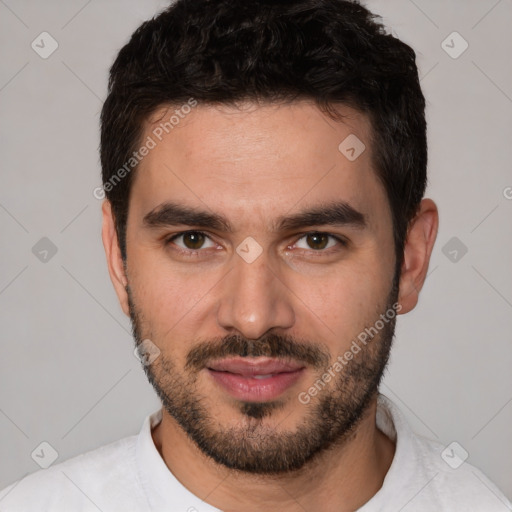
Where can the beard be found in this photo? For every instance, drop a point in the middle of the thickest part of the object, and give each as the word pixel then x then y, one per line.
pixel 252 446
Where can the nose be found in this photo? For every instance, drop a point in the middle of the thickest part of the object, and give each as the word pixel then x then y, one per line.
pixel 254 300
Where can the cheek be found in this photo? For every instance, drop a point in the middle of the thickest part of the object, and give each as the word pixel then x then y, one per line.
pixel 340 304
pixel 169 298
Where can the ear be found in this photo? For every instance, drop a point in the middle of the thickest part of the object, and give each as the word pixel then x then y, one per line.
pixel 114 259
pixel 419 243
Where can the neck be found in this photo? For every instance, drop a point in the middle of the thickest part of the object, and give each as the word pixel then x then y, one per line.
pixel 342 478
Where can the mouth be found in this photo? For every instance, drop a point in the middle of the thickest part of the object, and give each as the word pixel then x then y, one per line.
pixel 255 379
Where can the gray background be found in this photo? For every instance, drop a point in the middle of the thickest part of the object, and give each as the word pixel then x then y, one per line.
pixel 68 373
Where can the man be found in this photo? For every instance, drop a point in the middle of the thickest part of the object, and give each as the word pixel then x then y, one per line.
pixel 264 165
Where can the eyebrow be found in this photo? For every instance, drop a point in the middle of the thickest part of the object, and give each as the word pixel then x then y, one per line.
pixel 339 214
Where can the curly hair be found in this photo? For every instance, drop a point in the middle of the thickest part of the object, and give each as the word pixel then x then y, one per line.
pixel 224 51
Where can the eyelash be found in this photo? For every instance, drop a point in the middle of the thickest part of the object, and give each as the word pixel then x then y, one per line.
pixel 191 252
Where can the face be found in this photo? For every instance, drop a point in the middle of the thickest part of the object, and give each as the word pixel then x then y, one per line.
pixel 257 255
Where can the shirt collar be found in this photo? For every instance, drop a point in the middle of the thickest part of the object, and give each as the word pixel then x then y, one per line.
pixel 162 489
pixel 165 492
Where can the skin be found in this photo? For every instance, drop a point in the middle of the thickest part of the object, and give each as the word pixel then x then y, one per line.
pixel 253 165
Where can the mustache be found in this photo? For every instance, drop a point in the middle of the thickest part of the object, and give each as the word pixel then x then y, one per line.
pixel 270 345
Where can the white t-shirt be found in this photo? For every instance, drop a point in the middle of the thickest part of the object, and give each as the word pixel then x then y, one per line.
pixel 129 475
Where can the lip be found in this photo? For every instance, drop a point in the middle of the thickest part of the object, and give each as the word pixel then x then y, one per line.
pixel 246 378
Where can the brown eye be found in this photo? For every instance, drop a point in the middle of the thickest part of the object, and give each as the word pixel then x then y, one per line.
pixel 191 240
pixel 317 241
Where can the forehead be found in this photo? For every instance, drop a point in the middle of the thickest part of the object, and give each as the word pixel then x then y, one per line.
pixel 257 161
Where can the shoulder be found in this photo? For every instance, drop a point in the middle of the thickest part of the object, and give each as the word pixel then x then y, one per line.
pixel 89 481
pixel 425 475
pixel 455 483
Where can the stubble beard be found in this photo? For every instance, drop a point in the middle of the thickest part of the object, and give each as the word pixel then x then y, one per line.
pixel 253 445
